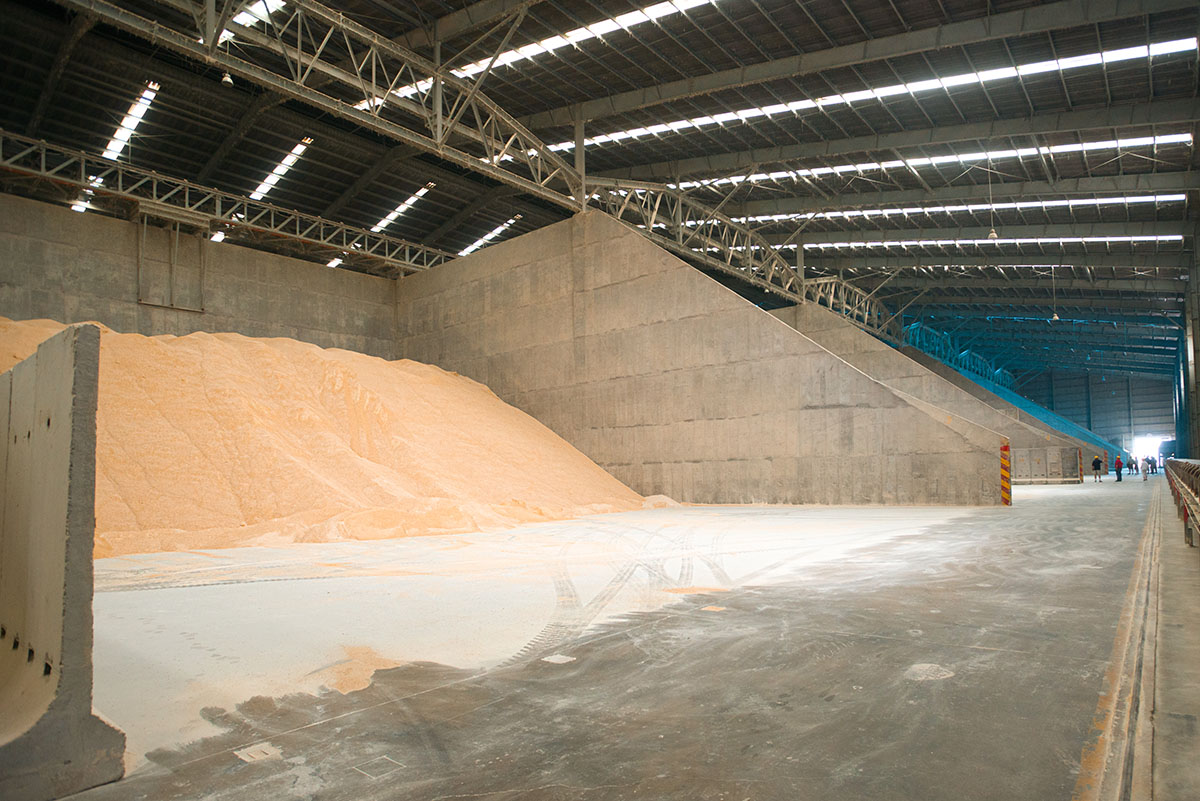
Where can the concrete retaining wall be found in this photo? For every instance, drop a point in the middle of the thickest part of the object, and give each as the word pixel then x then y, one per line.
pixel 50 743
pixel 1088 441
pixel 1038 457
pixel 679 386
pixel 73 267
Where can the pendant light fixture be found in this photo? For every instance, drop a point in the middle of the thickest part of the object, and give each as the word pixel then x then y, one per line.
pixel 1053 294
pixel 992 206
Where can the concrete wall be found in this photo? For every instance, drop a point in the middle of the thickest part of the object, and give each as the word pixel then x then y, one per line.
pixel 679 386
pixel 1037 455
pixel 74 267
pixel 1089 440
pixel 50 743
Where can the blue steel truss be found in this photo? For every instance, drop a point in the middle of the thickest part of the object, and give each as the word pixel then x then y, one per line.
pixel 943 346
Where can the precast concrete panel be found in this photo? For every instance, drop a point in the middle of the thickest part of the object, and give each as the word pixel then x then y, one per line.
pixel 51 744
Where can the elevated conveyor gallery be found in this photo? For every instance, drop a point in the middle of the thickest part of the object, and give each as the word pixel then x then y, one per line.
pixel 677 385
pixel 1038 456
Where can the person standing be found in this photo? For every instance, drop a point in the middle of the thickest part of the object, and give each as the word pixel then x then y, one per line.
pixel 1120 466
pixel 1145 468
pixel 1096 465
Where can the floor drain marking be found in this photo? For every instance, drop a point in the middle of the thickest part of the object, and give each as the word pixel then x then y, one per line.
pixel 379 767
pixel 558 659
pixel 712 609
pixel 927 672
pixel 258 752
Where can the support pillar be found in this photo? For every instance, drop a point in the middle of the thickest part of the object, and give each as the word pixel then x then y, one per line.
pixel 437 92
pixel 800 271
pixel 1087 399
pixel 1191 328
pixel 581 162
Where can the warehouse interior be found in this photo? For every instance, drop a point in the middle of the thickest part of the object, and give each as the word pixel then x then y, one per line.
pixel 599 399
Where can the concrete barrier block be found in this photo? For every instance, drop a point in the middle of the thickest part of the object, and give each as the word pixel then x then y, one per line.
pixel 51 744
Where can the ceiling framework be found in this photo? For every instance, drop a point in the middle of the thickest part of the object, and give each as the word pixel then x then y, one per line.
pixel 877 145
pixel 128 191
pixel 370 80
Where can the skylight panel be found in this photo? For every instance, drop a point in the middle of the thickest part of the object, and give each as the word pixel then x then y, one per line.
pixel 281 169
pixel 403 207
pixel 1034 240
pixel 255 13
pixel 1019 205
pixel 130 122
pixel 548 45
pixel 84 202
pixel 489 236
pixel 948 243
pixel 919 87
pixel 962 158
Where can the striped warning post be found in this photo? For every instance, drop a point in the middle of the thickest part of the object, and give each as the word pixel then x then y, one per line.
pixel 1079 453
pixel 1005 475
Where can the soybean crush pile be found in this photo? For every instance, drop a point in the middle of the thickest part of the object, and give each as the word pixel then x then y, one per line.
pixel 223 440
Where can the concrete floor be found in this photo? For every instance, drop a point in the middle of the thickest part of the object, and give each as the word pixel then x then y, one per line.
pixel 692 653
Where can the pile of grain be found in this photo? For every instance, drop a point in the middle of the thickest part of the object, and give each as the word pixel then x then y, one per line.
pixel 221 440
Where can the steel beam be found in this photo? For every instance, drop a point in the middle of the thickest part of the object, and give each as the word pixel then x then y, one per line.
pixel 382 165
pixel 931 301
pixel 1158 261
pixel 1072 337
pixel 1162 112
pixel 464 214
pixel 951 317
pixel 1107 365
pixel 476 15
pixel 1139 285
pixel 1002 350
pixel 79 26
pixel 1110 343
pixel 1152 328
pixel 1178 181
pixel 501 148
pixel 1154 228
pixel 507 151
pixel 161 196
pixel 206 93
pixel 250 116
pixel 1069 350
pixel 1037 19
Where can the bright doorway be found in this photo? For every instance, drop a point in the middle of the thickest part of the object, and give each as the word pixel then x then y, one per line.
pixel 1146 446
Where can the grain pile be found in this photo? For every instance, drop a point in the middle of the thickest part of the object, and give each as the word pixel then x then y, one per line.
pixel 222 440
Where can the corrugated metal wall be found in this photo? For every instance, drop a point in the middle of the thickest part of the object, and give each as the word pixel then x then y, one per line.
pixel 1116 407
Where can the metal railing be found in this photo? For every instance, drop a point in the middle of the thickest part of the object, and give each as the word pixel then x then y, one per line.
pixel 1183 477
pixel 943 347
